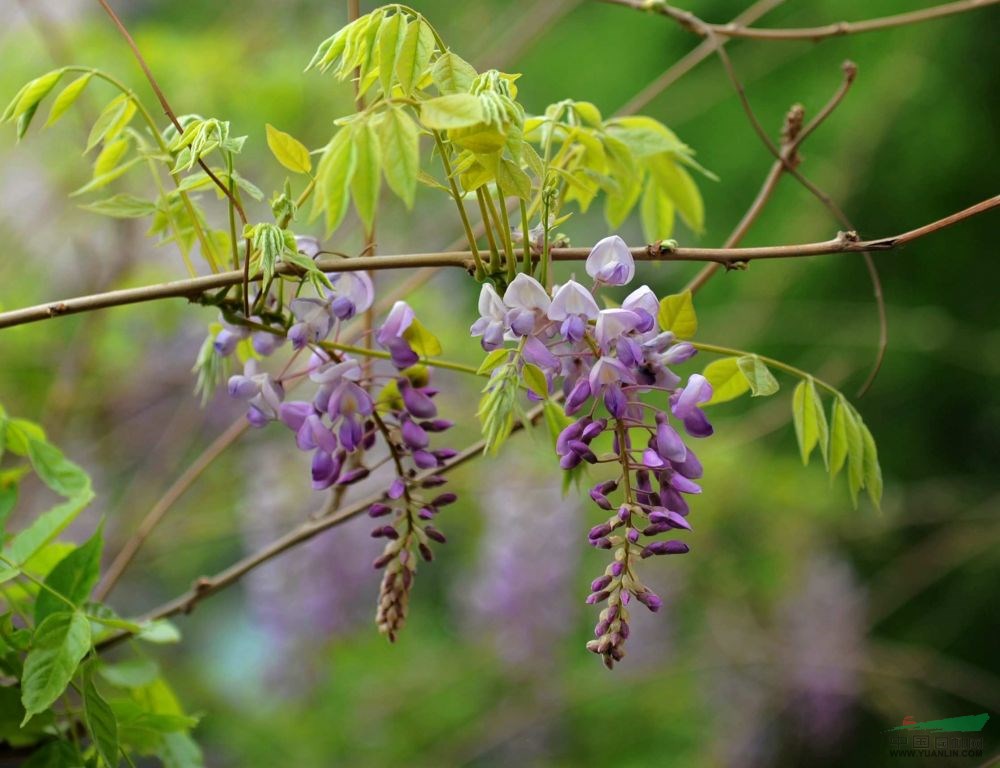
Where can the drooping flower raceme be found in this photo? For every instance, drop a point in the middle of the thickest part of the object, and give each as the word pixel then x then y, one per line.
pixel 345 426
pixel 614 367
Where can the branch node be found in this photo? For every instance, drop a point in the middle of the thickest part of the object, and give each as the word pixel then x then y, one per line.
pixel 850 70
pixel 61 308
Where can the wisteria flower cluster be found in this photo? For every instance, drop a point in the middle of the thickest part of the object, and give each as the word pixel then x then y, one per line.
pixel 614 368
pixel 343 423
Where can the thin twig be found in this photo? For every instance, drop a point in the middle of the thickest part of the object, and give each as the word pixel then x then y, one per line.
pixel 692 59
pixel 194 288
pixel 815 34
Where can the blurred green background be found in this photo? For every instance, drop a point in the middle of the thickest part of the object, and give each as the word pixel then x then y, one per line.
pixel 796 631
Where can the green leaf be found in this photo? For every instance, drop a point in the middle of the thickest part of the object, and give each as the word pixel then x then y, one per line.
pixel 873 472
pixel 55 754
pixel 453 74
pixel 761 380
pixel 29 96
pixel 160 632
pixel 390 41
pixel 423 342
pixel 67 97
pixel 534 378
pixel 673 181
pixel 111 121
pixel 73 577
pixel 656 210
pixel 677 315
pixel 367 180
pixel 400 140
pixel 101 722
pixel 855 453
pixel 727 379
pixel 108 157
pixel 455 110
pixel 288 150
pixel 414 55
pixel 513 180
pixel 55 470
pixel 810 420
pixel 645 136
pixel 19 433
pixel 180 751
pixel 24 121
pixel 107 178
pixel 333 178
pixel 493 360
pixel 59 644
pixel 46 527
pixel 122 206
pixel 132 673
pixel 838 436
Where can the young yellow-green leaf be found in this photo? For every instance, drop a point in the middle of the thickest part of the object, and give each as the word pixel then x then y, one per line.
pixel 110 154
pixel 46 527
pixel 101 722
pixel 55 470
pixel 809 419
pixel 456 110
pixel 104 179
pixel 645 136
pixel 672 180
pixel 493 360
pixel 122 207
pixel 367 176
pixel 855 453
pixel 453 74
pixel 873 472
pixel 333 178
pixel 513 180
pixel 111 121
pixel 29 96
pixel 838 437
pixel 24 121
pixel 57 648
pixel 67 97
pixel 656 211
pixel 535 380
pixel 414 55
pixel 288 150
pixel 400 141
pixel 677 315
pixel 762 381
pixel 131 673
pixel 727 379
pixel 390 41
pixel 422 341
pixel 73 577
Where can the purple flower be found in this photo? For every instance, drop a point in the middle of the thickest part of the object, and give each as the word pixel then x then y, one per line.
pixel 352 293
pixel 527 302
pixel 573 305
pixel 492 318
pixel 391 335
pixel 644 303
pixel 684 405
pixel 262 393
pixel 315 322
pixel 610 262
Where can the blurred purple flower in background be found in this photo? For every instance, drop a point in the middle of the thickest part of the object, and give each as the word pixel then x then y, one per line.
pixel 519 595
pixel 324 590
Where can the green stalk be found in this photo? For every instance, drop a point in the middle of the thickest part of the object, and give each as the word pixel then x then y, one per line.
pixel 457 197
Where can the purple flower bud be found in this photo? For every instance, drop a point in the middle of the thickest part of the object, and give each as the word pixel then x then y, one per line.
pixel 396 489
pixel 379 510
pixel 353 476
pixel 435 534
pixel 583 450
pixel 665 548
pixel 615 401
pixel 385 531
pixel 597 597
pixel 424 459
pixel 649 599
pixel 599 531
pixel 437 425
pixel 577 397
pixel 617 569
pixel 593 429
pixel 413 435
pixel 624 512
pixel 633 535
pixel 425 552
pixel 325 470
pixel 652 459
pixel 444 500
pixel 257 417
pixel 600 583
pixel 569 460
pixel 668 443
pixel 294 413
pixel 416 402
pixel 434 481
pixel 382 561
pixel 426 513
pixel 604 543
pixel 571 432
pixel 444 454
pixel 600 499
